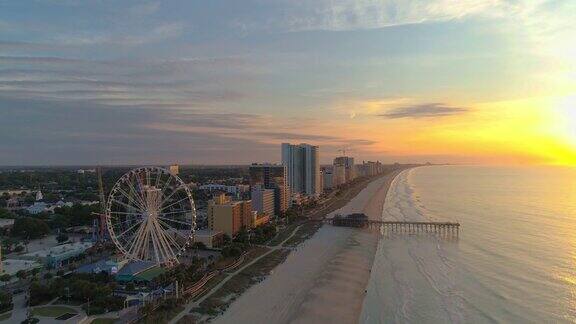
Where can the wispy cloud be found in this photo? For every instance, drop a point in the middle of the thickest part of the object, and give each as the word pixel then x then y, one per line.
pixel 184 82
pixel 157 33
pixel 339 15
pixel 429 110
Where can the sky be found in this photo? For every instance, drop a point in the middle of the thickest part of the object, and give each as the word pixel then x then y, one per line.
pixel 225 82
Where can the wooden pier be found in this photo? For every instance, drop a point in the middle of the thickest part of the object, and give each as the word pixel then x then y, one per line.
pixel 405 227
pixel 443 229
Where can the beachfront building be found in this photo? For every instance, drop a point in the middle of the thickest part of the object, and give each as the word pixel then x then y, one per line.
pixel 369 168
pixel 275 177
pixel 345 164
pixel 302 162
pixel 327 178
pixel 262 200
pixel 338 175
pixel 228 216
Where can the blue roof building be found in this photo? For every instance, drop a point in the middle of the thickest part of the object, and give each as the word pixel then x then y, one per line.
pixel 108 266
pixel 132 270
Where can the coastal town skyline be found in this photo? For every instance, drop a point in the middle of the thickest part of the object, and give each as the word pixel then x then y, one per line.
pixel 287 161
pixel 476 81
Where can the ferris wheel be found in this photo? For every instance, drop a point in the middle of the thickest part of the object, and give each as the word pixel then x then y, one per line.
pixel 150 215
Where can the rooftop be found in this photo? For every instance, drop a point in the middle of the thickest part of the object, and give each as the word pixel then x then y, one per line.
pixel 99 266
pixel 135 267
pixel 150 274
pixel 59 250
pixel 4 222
pixel 11 266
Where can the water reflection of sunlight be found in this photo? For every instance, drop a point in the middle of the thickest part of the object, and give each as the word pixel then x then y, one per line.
pixel 569 278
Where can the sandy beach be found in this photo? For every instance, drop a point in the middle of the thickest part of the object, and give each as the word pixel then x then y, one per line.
pixel 324 279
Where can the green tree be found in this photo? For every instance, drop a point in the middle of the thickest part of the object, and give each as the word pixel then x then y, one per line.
pixel 5 301
pixel 232 251
pixel 61 238
pixel 30 228
pixel 5 277
pixel 226 240
pixel 4 213
pixel 242 237
pixel 21 274
pixel 41 293
pixel 30 320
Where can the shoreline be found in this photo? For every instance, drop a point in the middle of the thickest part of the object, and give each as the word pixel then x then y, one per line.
pixel 324 279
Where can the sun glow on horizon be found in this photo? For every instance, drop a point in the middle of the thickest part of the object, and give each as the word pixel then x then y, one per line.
pixel 566 111
pixel 539 130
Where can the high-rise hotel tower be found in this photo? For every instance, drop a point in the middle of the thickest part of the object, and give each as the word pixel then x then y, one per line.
pixel 302 162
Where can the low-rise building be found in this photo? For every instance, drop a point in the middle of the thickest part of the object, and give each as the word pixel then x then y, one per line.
pixel 233 190
pixel 37 208
pixel 211 239
pixel 6 223
pixel 12 266
pixel 139 271
pixel 57 256
pixel 109 266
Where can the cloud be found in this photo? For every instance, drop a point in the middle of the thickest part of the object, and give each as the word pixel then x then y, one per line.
pixel 152 34
pixel 64 133
pixel 341 15
pixel 429 110
pixel 286 136
pixel 184 82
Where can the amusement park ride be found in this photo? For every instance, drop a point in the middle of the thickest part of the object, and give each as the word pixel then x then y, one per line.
pixel 149 216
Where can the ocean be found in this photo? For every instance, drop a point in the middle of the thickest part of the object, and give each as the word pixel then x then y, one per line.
pixel 514 260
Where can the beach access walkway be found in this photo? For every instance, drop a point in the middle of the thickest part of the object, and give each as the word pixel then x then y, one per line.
pixel 193 304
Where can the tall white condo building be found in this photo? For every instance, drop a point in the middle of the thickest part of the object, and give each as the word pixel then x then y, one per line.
pixel 302 162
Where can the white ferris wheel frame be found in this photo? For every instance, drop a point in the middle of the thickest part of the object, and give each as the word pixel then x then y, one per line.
pixel 152 234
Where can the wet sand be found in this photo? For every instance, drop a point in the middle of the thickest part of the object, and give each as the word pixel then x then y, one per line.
pixel 324 279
